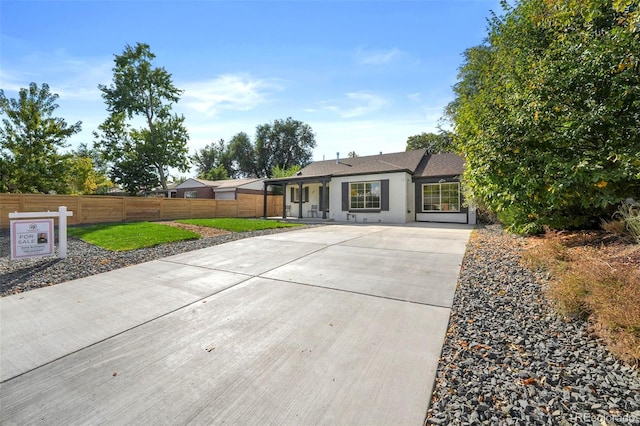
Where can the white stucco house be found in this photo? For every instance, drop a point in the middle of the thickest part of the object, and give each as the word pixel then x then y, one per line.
pixel 387 188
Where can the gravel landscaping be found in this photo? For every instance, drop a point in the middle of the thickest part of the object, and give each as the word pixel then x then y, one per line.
pixel 508 358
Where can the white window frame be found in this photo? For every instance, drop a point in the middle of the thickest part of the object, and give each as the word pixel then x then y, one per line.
pixel 190 194
pixel 365 207
pixel 440 202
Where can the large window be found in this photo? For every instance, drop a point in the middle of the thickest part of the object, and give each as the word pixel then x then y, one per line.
pixel 442 197
pixel 190 194
pixel 364 195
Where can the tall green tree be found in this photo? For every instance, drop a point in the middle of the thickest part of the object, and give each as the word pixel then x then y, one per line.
pixel 283 143
pixel 30 138
pixel 213 162
pixel 435 143
pixel 143 92
pixel 121 147
pixel 547 112
pixel 85 177
pixel 243 155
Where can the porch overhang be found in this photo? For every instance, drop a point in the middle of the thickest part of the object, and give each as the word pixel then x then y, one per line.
pixel 298 181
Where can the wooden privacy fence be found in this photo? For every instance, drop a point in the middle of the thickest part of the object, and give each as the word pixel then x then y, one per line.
pixel 100 209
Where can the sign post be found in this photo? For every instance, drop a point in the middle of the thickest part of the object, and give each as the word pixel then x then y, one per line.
pixel 34 238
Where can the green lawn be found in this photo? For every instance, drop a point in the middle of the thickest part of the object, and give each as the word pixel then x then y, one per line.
pixel 130 236
pixel 238 225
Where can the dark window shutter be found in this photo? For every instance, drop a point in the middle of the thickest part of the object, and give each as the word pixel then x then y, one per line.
pixel 321 196
pixel 385 195
pixel 306 194
pixel 345 196
pixel 293 194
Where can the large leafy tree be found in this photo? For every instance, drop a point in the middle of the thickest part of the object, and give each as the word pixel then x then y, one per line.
pixel 243 155
pixel 435 143
pixel 142 92
pixel 122 148
pixel 30 138
pixel 213 162
pixel 279 145
pixel 283 143
pixel 87 174
pixel 547 112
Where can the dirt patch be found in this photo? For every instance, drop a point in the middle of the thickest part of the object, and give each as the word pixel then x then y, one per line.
pixel 203 231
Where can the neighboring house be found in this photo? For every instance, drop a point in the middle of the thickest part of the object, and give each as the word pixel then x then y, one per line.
pixel 170 192
pixel 389 188
pixel 219 189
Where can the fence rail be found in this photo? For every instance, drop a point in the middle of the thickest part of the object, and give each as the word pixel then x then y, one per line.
pixel 88 209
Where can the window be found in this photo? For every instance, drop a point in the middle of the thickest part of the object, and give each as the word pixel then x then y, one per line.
pixel 295 194
pixel 190 194
pixel 444 197
pixel 364 195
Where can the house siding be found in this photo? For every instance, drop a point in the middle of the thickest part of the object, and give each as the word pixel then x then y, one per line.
pixel 461 216
pixel 203 192
pixel 393 203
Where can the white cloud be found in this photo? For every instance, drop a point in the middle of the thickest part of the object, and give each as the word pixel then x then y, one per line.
pixel 377 57
pixel 416 97
pixel 237 92
pixel 355 104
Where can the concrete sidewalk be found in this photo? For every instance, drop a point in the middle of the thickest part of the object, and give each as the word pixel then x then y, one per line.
pixel 341 324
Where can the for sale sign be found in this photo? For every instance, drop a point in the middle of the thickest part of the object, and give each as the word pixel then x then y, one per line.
pixel 31 238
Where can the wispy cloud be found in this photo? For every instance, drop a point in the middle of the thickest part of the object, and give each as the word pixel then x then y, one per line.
pixel 70 77
pixel 366 56
pixel 415 97
pixel 237 92
pixel 355 104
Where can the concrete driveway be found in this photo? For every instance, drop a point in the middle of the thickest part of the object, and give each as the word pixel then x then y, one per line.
pixel 340 324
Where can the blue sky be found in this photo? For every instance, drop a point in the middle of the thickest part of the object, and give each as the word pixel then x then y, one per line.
pixel 365 75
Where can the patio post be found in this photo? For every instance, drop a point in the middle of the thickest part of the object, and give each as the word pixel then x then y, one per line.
pixel 264 201
pixel 324 199
pixel 284 200
pixel 300 200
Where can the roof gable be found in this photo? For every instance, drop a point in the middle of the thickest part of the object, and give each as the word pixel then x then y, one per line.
pixel 447 164
pixel 226 183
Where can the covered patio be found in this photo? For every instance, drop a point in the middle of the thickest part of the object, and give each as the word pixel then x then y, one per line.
pixel 299 183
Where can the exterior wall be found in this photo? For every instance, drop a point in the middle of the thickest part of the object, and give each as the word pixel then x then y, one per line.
pixel 258 185
pixel 314 199
pixel 202 192
pixel 400 209
pixel 442 217
pixel 225 195
pixel 461 216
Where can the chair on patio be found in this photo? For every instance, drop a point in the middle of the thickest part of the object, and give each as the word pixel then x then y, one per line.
pixel 287 210
pixel 313 212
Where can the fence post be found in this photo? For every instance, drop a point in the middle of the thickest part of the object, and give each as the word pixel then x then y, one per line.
pixel 62 232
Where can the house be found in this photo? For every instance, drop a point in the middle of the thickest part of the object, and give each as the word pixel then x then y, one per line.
pixel 218 189
pixel 398 187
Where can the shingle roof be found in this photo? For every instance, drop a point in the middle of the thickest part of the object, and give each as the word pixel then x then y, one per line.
pixel 447 164
pixel 226 183
pixel 382 163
